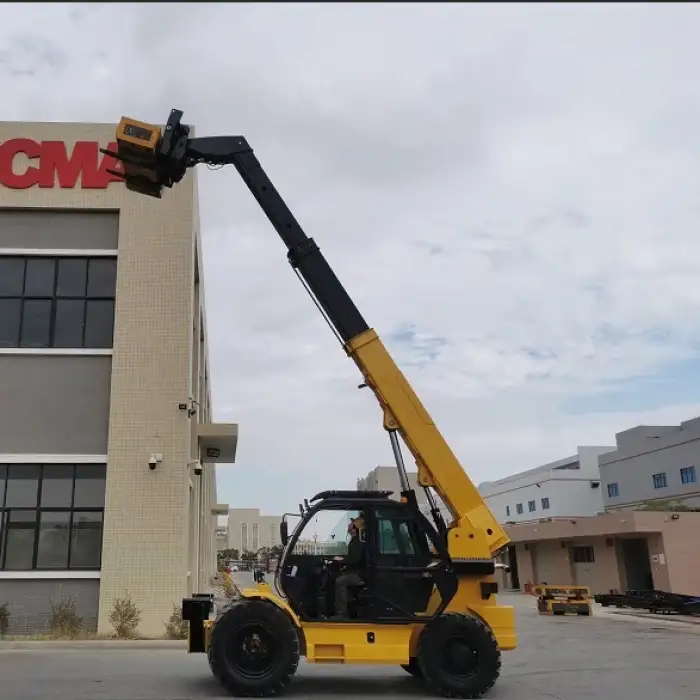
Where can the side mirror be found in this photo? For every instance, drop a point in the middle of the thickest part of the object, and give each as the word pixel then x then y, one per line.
pixel 284 533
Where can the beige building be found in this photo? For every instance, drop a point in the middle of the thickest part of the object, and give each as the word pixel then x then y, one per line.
pixel 616 551
pixel 248 531
pixel 107 446
pixel 387 479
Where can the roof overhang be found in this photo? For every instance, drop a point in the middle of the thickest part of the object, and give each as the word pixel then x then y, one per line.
pixel 217 442
pixel 220 509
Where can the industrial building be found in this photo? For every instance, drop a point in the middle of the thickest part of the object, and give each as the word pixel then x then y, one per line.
pixel 569 486
pixel 387 479
pixel 107 445
pixel 616 551
pixel 652 463
pixel 586 520
pixel 249 531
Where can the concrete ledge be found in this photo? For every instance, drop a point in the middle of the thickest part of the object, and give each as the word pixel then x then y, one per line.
pixel 178 644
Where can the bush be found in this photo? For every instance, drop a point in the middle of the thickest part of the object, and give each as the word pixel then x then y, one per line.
pixel 176 627
pixel 4 618
pixel 125 617
pixel 64 620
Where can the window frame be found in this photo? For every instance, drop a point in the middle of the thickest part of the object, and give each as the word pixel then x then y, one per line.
pixel 660 480
pixel 88 299
pixel 583 554
pixel 688 472
pixel 613 489
pixel 71 510
pixel 519 509
pixel 545 503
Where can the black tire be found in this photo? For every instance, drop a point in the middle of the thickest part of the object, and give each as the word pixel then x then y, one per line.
pixel 459 656
pixel 413 668
pixel 263 669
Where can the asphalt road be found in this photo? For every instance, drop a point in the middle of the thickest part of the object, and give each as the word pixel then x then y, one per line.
pixel 604 656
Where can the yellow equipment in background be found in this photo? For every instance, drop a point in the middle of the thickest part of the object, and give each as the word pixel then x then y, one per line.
pixel 563 600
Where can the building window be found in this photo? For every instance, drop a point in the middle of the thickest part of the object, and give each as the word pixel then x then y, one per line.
pixel 256 537
pixel 57 302
pixel 507 510
pixel 51 516
pixel 545 503
pixel 660 481
pixel 244 538
pixel 688 475
pixel 531 506
pixel 613 490
pixel 583 555
pixel 519 508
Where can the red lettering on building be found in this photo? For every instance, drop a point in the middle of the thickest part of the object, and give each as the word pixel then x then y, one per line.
pixel 51 165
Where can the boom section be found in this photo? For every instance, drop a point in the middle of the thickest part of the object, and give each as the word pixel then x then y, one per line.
pixel 438 467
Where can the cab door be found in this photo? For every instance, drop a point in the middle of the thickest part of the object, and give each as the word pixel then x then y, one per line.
pixel 406 566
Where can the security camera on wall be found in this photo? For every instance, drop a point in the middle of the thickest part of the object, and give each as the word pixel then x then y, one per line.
pixel 198 468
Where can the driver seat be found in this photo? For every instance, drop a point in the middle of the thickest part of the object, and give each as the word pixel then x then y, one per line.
pixel 359 599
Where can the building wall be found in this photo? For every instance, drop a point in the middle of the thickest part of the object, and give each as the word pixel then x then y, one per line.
pixel 158 541
pixel 249 531
pixel 567 487
pixel 627 473
pixel 387 479
pixel 548 552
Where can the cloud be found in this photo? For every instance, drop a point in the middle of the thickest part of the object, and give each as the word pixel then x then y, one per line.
pixel 508 193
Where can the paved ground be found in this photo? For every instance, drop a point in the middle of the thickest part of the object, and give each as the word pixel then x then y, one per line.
pixel 607 656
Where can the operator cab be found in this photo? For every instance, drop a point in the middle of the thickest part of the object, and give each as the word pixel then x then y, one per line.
pixel 406 573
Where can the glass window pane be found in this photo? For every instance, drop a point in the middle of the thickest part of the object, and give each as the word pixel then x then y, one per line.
pixel 68 324
pixel 57 486
pixel 387 538
pixel 3 477
pixel 22 486
pixel 54 535
pixel 11 277
pixel 99 324
pixel 89 486
pixel 10 311
pixel 86 541
pixel 72 277
pixel 102 277
pixel 40 277
pixel 21 536
pixel 36 323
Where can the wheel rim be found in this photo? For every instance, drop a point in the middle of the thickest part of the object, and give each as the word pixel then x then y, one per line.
pixel 253 650
pixel 459 658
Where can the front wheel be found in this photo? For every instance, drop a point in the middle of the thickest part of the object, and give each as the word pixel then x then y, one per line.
pixel 459 656
pixel 254 649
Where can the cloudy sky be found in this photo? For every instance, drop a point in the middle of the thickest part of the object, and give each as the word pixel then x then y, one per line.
pixel 510 193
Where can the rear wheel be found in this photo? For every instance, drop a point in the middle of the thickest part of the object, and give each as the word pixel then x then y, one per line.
pixel 254 649
pixel 459 656
pixel 413 668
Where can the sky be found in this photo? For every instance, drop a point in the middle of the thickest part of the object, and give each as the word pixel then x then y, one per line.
pixel 508 192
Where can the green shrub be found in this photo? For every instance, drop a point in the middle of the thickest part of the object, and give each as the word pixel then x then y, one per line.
pixel 4 618
pixel 64 621
pixel 176 627
pixel 125 617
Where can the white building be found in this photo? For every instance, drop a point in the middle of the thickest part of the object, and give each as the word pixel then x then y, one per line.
pixel 567 487
pixel 249 531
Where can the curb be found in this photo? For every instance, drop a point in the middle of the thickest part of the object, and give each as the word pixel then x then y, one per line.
pixel 94 644
pixel 671 619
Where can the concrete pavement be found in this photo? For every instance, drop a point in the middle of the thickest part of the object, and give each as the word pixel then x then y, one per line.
pixel 607 656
